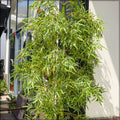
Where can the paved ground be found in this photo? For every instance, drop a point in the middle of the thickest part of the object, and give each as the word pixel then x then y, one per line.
pixel 3 98
pixel 4 106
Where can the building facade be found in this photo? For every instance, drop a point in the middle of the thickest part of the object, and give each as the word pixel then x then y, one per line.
pixel 107 74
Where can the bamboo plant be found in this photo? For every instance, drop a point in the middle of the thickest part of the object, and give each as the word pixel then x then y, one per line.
pixel 59 74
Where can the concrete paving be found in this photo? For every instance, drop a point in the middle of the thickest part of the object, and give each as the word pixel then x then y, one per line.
pixel 3 99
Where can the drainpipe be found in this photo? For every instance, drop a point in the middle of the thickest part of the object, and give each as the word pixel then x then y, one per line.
pixel 16 50
pixel 7 61
pixel 7 57
pixel 17 40
pixel 22 39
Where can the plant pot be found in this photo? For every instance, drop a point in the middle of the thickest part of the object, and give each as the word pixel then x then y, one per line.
pixel 11 87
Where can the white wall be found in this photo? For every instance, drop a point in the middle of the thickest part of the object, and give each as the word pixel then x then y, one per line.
pixel 3 46
pixel 107 74
pixel 3 40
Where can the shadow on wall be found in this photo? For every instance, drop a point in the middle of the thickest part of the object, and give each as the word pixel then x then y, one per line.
pixel 107 74
pixel 103 76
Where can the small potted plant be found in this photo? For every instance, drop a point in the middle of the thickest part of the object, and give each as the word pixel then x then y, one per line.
pixel 12 100
pixel 3 87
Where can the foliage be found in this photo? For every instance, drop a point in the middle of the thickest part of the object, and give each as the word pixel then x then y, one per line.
pixel 57 68
pixel 12 40
pixel 11 99
pixel 3 86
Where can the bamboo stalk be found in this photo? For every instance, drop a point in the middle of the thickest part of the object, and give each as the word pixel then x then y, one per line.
pixel 3 102
pixel 10 109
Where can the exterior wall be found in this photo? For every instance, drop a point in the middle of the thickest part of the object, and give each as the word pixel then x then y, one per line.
pixel 3 40
pixel 107 74
pixel 3 46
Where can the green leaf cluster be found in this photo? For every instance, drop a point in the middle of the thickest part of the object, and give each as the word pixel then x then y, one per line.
pixel 11 99
pixel 59 72
pixel 3 87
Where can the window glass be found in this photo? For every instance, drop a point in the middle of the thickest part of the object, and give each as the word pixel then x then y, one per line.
pixel 22 10
pixel 13 15
pixel 31 1
pixel 4 2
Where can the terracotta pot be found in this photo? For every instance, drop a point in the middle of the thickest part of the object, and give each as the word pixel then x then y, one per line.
pixel 11 87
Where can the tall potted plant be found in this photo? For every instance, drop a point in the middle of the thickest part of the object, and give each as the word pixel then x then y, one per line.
pixel 62 56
